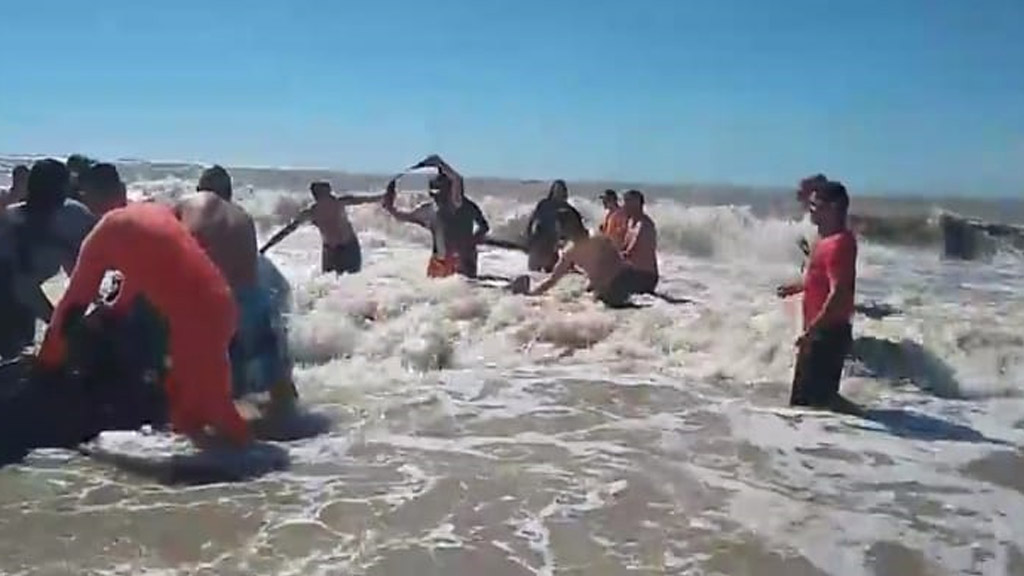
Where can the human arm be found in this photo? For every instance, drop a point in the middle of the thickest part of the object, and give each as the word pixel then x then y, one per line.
pixel 81 291
pixel 482 226
pixel 435 161
pixel 641 234
pixel 349 200
pixel 292 226
pixel 565 264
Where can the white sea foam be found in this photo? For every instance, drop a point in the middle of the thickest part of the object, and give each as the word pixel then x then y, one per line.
pixel 481 431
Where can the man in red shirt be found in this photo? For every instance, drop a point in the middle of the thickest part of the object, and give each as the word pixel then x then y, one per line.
pixel 828 287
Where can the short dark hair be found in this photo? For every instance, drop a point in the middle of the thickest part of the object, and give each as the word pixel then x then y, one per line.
pixel 570 221
pixel 101 178
pixel 318 185
pixel 834 193
pixel 217 180
pixel 48 184
pixel 634 194
pixel 609 193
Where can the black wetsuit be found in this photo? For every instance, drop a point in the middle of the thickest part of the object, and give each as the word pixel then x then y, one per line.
pixel 543 234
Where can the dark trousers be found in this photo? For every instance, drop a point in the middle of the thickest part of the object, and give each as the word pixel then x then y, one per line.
pixel 342 259
pixel 819 366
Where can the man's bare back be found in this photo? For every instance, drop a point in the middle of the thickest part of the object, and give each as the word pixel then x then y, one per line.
pixel 599 259
pixel 226 232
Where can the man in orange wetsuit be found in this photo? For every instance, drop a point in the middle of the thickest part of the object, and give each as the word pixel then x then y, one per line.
pixel 163 263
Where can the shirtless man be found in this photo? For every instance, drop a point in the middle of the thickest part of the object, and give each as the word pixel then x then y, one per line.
pixel 341 252
pixel 640 242
pixel 228 235
pixel 611 279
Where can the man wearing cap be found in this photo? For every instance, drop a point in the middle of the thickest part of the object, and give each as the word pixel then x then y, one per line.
pixel 456 223
pixel 615 219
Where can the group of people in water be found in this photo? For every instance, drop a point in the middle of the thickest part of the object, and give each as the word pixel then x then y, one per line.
pixel 194 267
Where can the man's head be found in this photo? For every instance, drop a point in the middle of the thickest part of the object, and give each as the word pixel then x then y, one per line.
pixel 828 205
pixel 217 180
pixel 808 185
pixel 48 185
pixel 559 191
pixel 102 189
pixel 19 182
pixel 610 199
pixel 633 202
pixel 77 165
pixel 570 224
pixel 441 190
pixel 320 190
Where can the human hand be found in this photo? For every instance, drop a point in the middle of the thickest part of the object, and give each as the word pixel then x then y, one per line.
pixel 787 290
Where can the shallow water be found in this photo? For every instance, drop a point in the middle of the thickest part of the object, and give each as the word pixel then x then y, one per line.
pixel 483 433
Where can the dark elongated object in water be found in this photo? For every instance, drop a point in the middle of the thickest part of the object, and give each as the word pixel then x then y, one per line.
pixel 108 385
pixel 506 244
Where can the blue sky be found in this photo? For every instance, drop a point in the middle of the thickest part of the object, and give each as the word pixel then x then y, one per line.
pixel 900 95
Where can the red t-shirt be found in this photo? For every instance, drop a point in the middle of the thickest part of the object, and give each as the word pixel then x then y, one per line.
pixel 833 262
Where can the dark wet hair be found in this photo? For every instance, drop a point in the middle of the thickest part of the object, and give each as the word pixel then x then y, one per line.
pixel 443 185
pixel 49 183
pixel 19 171
pixel 319 185
pixel 217 180
pixel 834 193
pixel 558 184
pixel 102 178
pixel 634 194
pixel 569 221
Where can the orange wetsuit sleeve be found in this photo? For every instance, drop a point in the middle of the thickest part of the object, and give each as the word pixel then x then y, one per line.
pixel 82 289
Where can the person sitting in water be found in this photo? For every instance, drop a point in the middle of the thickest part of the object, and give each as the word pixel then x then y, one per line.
pixel 640 248
pixel 102 189
pixel 341 252
pixel 543 235
pixel 456 223
pixel 38 237
pixel 610 277
pixel 19 186
pixel 228 235
pixel 161 263
pixel 615 219
pixel 828 287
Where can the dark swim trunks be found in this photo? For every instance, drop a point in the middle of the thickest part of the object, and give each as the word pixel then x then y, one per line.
pixel 630 281
pixel 342 259
pixel 819 367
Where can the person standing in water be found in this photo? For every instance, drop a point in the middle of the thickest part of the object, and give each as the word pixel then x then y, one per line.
pixel 159 262
pixel 38 238
pixel 611 279
pixel 102 189
pixel 228 235
pixel 828 288
pixel 615 219
pixel 19 186
pixel 640 247
pixel 341 252
pixel 456 223
pixel 542 231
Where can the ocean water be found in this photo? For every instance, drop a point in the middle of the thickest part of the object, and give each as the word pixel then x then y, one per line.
pixel 478 432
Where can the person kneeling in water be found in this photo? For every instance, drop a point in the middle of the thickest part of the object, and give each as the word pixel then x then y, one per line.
pixel 163 263
pixel 451 219
pixel 228 234
pixel 611 279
